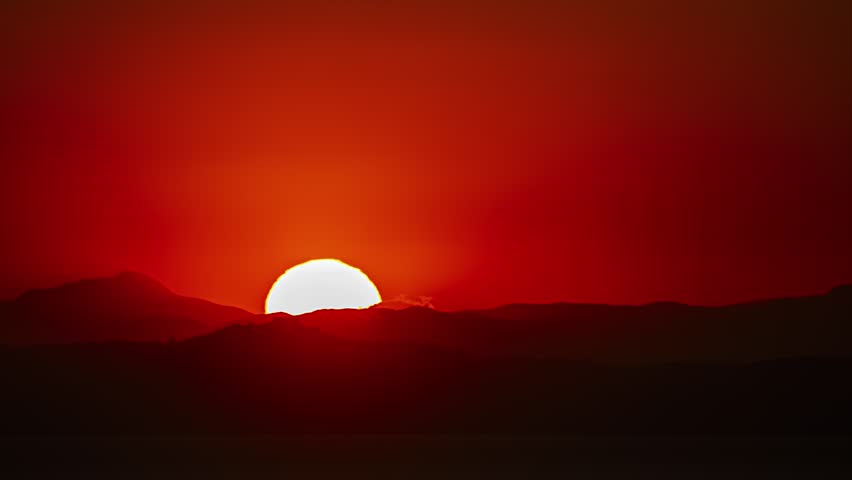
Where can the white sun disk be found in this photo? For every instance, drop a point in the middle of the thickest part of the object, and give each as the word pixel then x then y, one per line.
pixel 321 284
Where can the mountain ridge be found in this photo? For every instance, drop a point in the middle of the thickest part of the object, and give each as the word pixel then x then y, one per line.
pixel 134 307
pixel 127 306
pixel 767 368
pixel 658 332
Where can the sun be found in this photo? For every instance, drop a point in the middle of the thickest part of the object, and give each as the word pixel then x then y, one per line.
pixel 321 284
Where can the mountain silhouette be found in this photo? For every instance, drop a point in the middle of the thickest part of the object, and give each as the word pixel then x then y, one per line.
pixel 135 307
pixel 287 378
pixel 658 332
pixel 765 367
pixel 128 306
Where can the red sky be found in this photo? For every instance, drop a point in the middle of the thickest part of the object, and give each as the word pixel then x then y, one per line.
pixel 478 153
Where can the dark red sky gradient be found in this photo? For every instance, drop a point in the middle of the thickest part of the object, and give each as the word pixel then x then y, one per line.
pixel 479 153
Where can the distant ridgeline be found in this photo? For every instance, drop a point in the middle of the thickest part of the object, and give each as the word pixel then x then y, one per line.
pixel 769 367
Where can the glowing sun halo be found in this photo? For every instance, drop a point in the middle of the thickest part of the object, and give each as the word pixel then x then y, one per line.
pixel 321 284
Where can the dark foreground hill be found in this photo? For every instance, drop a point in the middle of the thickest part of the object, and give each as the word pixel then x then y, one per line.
pixel 133 307
pixel 128 306
pixel 778 367
pixel 284 378
pixel 659 332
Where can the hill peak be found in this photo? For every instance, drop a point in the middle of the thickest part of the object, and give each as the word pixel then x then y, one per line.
pixel 126 306
pixel 844 291
pixel 123 285
pixel 140 280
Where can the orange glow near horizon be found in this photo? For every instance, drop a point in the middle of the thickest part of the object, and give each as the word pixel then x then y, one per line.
pixel 476 153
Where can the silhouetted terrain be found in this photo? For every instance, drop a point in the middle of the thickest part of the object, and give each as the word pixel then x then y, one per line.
pixel 129 306
pixel 751 390
pixel 134 307
pixel 285 378
pixel 658 332
pixel 774 367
